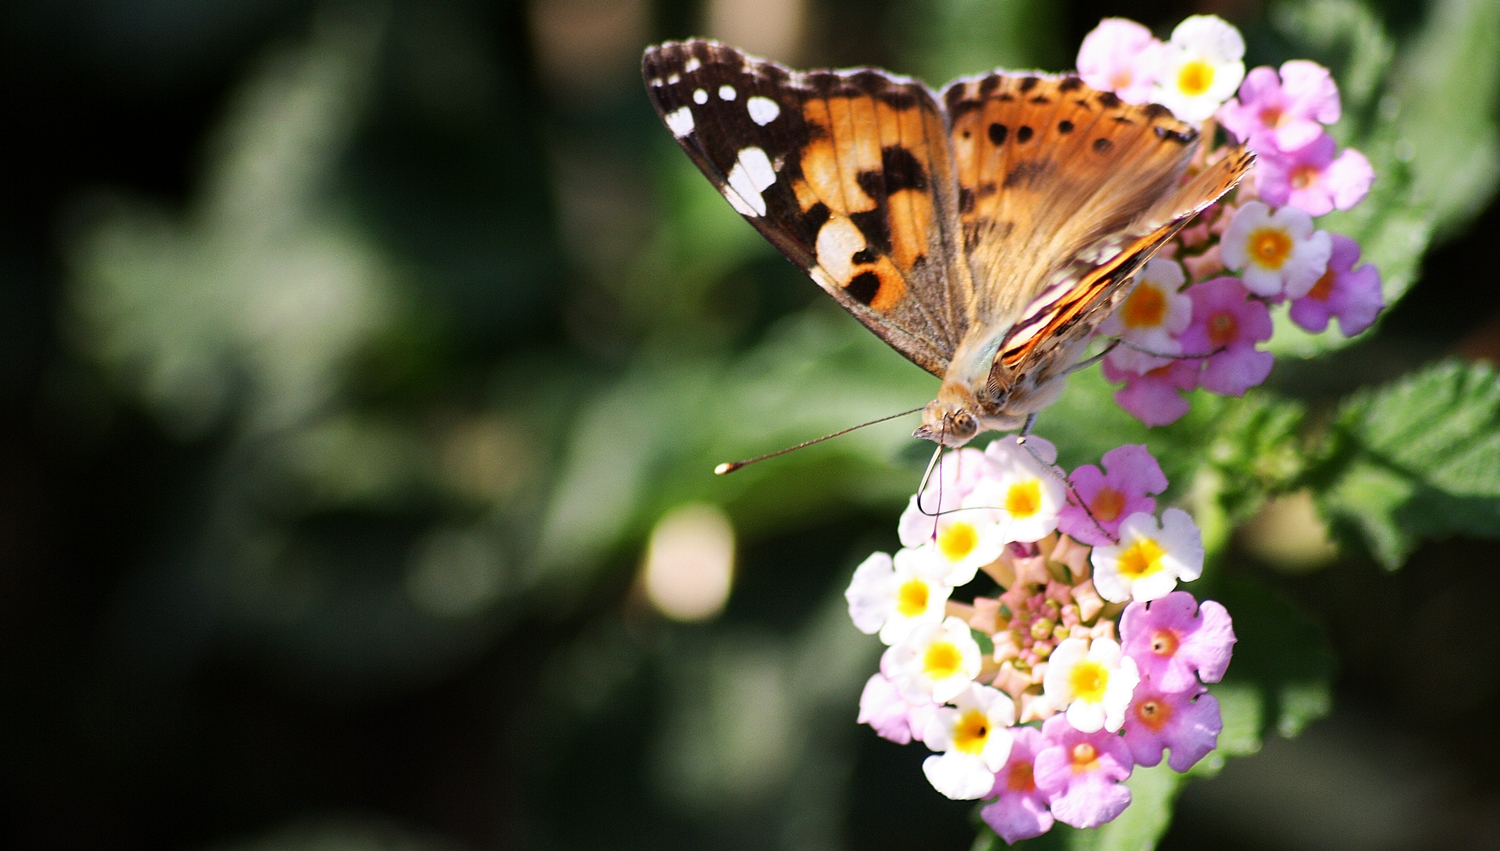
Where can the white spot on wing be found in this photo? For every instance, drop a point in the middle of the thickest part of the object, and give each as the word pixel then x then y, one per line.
pixel 700 96
pixel 672 80
pixel 727 92
pixel 680 121
pixel 838 241
pixel 692 64
pixel 752 172
pixel 762 110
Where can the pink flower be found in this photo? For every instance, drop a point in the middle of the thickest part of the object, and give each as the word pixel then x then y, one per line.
pixel 1155 398
pixel 1188 722
pixel 1278 116
pixel 1227 324
pixel 1120 56
pixel 1312 179
pixel 889 714
pixel 1020 811
pixel 1176 642
pixel 1353 295
pixel 1080 773
pixel 1133 475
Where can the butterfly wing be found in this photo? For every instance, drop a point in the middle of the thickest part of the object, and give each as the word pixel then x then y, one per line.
pixel 848 173
pixel 1065 192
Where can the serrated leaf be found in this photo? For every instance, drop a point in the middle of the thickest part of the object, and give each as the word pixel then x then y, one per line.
pixel 1419 458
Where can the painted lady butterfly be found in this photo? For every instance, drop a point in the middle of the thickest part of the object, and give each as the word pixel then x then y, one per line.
pixel 984 233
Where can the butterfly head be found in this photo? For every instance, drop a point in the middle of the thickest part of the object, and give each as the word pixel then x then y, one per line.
pixel 952 419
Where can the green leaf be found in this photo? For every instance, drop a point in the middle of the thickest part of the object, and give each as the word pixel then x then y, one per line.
pixel 1281 670
pixel 1416 459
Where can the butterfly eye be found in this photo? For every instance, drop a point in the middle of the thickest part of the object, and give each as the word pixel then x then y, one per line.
pixel 963 426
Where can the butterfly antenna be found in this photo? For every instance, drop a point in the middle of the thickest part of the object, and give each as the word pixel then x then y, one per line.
pixel 730 466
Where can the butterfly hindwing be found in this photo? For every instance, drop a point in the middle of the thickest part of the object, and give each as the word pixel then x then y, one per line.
pixel 848 173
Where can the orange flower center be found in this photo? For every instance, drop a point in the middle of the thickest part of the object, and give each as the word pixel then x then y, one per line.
pixel 1107 504
pixel 1164 642
pixel 1270 247
pixel 1271 116
pixel 1084 757
pixel 1223 329
pixel 1304 176
pixel 1020 778
pixel 1323 288
pixel 1145 308
pixel 1153 714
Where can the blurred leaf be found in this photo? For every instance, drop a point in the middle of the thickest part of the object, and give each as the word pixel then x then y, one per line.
pixel 1419 458
pixel 1447 86
pixel 944 39
pixel 1281 670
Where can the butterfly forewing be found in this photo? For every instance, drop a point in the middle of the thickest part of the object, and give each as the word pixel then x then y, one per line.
pixel 848 173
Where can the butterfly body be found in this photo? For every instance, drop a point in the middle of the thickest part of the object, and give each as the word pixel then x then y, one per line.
pixel 984 233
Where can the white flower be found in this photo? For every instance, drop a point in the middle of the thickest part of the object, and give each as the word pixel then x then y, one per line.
pixel 935 662
pixel 1092 681
pixel 1279 252
pixel 1201 67
pixel 1151 318
pixel 1150 559
pixel 1026 495
pixel 960 541
pixel 892 597
pixel 974 737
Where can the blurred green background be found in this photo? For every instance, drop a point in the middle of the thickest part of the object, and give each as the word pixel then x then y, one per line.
pixel 352 353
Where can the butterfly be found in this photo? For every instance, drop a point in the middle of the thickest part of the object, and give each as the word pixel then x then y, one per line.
pixel 984 232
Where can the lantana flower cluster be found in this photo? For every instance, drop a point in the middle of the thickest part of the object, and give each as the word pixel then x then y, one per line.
pixel 1203 304
pixel 1041 699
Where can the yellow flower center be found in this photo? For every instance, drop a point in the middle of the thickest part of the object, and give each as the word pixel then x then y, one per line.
pixel 942 660
pixel 1141 558
pixel 1195 78
pixel 1107 504
pixel 971 732
pixel 911 598
pixel 1153 714
pixel 1089 679
pixel 957 540
pixel 1145 307
pixel 1024 499
pixel 1270 247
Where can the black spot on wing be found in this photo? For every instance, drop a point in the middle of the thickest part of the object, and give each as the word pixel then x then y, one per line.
pixel 864 287
pixel 1103 145
pixel 1023 133
pixel 876 226
pixel 997 133
pixel 965 199
pixel 902 170
pixel 1069 84
pixel 1029 83
pixel 1169 135
pixel 1065 126
pixel 1109 99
